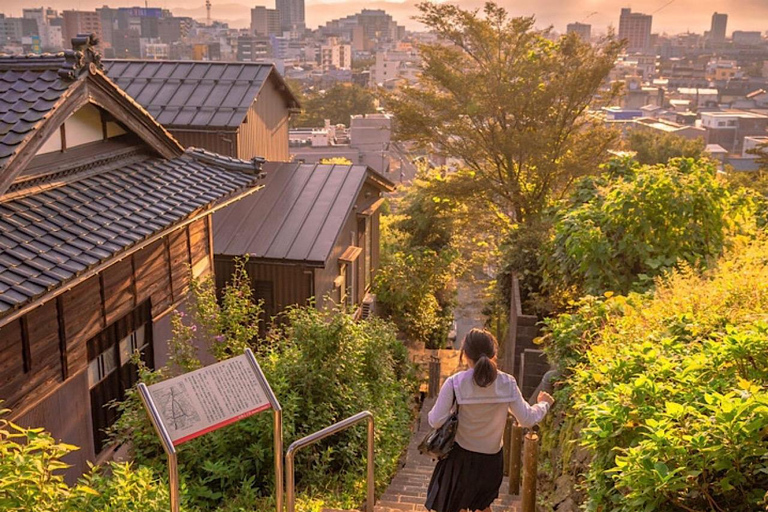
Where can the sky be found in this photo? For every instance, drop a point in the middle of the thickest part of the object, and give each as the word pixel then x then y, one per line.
pixel 672 17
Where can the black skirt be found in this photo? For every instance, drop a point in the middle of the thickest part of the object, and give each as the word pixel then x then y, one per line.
pixel 465 480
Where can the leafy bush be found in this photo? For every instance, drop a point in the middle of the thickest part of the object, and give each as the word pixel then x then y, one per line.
pixel 415 281
pixel 669 390
pixel 620 230
pixel 323 367
pixel 30 478
pixel 653 148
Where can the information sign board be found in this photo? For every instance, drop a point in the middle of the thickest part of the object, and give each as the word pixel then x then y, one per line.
pixel 190 405
pixel 204 400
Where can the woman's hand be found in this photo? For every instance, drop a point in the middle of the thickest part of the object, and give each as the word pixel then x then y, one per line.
pixel 545 397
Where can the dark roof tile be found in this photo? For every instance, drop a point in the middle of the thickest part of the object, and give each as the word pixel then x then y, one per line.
pixel 49 237
pixel 176 93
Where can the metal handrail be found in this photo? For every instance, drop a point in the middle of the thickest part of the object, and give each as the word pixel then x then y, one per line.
pixel 290 455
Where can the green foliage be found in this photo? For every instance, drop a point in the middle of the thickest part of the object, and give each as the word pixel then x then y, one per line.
pixel 420 251
pixel 323 367
pixel 669 389
pixel 618 231
pixel 653 148
pixel 337 104
pixel 414 285
pixel 339 160
pixel 510 103
pixel 31 478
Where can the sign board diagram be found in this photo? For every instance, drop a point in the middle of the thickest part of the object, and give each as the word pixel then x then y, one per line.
pixel 198 402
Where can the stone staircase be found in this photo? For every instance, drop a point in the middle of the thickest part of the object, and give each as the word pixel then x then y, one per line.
pixel 408 490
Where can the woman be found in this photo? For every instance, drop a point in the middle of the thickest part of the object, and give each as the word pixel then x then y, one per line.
pixel 468 479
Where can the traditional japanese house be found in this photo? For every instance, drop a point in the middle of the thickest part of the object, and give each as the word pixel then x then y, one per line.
pixel 102 216
pixel 313 232
pixel 238 109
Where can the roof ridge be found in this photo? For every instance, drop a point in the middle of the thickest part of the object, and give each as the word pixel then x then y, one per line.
pixel 252 166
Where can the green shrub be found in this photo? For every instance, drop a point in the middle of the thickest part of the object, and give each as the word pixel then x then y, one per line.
pixel 31 478
pixel 414 284
pixel 633 223
pixel 322 366
pixel 670 389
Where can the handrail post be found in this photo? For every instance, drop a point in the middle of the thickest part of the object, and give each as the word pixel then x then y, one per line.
pixel 278 442
pixel 371 483
pixel 515 452
pixel 531 451
pixel 290 456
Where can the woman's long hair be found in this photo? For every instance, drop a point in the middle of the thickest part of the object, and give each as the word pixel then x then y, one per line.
pixel 480 346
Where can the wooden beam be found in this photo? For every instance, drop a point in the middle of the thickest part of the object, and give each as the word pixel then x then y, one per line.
pixel 62 338
pixel 375 206
pixel 26 352
pixel 167 249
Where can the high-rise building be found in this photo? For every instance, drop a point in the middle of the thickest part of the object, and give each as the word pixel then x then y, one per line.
pixel 265 22
pixel 583 30
pixel 49 32
pixel 635 28
pixel 80 22
pixel 366 30
pixel 747 37
pixel 335 55
pixel 291 15
pixel 717 31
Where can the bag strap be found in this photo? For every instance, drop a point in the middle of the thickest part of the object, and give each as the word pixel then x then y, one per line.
pixel 455 401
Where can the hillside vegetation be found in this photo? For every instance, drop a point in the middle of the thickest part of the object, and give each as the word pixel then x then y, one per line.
pixel 668 390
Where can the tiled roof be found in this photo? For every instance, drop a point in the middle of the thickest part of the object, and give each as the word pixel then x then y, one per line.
pixel 298 216
pixel 50 237
pixel 26 98
pixel 188 93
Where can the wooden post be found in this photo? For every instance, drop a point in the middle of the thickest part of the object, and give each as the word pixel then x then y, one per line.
pixel 507 444
pixel 515 449
pixel 433 388
pixel 530 462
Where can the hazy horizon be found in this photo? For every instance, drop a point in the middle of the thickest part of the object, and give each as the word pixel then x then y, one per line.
pixel 672 17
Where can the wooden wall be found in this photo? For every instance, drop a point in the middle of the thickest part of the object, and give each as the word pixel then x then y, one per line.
pixel 221 142
pixel 265 132
pixel 291 284
pixel 47 346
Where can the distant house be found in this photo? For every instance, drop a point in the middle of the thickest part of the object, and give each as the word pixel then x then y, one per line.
pixel 661 126
pixel 238 109
pixel 102 214
pixel 313 232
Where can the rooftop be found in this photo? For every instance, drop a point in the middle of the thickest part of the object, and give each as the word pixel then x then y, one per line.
pixel 299 215
pixel 196 93
pixel 735 113
pixel 49 237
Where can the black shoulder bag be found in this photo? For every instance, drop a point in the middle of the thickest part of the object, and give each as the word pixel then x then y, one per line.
pixel 439 441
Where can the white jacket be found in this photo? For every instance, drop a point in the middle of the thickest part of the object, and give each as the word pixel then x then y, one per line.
pixel 483 411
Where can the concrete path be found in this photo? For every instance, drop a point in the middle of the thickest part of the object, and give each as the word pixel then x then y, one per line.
pixel 468 312
pixel 408 489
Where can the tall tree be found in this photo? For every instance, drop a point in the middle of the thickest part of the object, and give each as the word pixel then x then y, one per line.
pixel 510 102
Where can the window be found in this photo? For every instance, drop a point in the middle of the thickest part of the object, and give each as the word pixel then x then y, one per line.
pixel 111 370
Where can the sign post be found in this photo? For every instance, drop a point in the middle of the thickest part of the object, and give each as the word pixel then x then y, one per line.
pixel 198 402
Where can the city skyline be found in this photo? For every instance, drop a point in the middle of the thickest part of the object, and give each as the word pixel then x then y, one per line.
pixel 677 17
